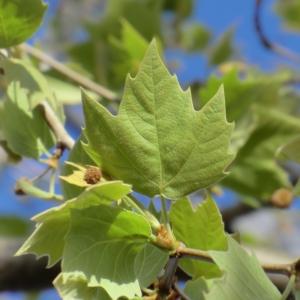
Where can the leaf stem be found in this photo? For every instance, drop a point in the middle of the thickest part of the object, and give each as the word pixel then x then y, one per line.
pixel 283 269
pixel 165 218
pixel 134 205
pixel 71 74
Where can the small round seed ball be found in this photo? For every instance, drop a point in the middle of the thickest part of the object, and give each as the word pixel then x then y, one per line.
pixel 92 175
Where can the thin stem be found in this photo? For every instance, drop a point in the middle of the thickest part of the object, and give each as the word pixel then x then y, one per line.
pixel 290 286
pixel 56 126
pixel 284 269
pixel 38 177
pixel 134 205
pixel 71 74
pixel 52 182
pixel 165 218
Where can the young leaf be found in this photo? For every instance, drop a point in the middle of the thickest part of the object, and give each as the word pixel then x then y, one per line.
pixel 77 156
pixel 74 286
pixel 243 276
pixel 158 142
pixel 53 224
pixel 19 20
pixel 103 243
pixel 199 228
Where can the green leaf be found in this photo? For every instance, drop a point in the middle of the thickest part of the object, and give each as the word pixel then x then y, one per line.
pixel 19 20
pixel 30 136
pixel 223 49
pixel 149 263
pixel 47 239
pixel 158 142
pixel 256 160
pixel 200 228
pixel 195 289
pixel 65 92
pixel 103 243
pixel 33 81
pixel 194 37
pixel 243 277
pixel 94 55
pixel 289 10
pixel 74 286
pixel 126 54
pixel 290 151
pixel 242 94
pixel 54 223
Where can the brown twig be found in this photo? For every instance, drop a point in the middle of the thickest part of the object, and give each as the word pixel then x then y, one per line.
pixel 167 280
pixel 283 269
pixel 265 41
pixel 62 136
pixel 71 74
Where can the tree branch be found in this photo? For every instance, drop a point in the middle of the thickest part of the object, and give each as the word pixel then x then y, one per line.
pixel 62 136
pixel 265 41
pixel 71 74
pixel 283 269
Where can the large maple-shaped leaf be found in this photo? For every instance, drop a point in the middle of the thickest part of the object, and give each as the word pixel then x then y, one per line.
pixel 158 142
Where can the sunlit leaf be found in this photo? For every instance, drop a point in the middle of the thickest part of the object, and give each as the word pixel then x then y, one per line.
pixel 74 286
pixel 53 224
pixel 103 243
pixel 30 136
